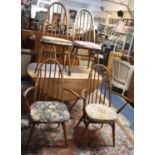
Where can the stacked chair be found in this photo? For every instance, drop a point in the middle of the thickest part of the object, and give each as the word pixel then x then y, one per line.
pixel 55 26
pixel 84 36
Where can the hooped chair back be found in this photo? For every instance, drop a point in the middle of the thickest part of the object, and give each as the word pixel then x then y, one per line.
pixel 49 81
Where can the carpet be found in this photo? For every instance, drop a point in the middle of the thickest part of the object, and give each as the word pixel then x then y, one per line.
pixel 49 140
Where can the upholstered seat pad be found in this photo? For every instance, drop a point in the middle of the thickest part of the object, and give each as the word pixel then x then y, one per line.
pixel 49 111
pixel 86 44
pixel 100 112
pixel 56 41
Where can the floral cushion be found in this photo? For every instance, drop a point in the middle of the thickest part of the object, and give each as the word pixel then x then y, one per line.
pixel 100 112
pixel 56 41
pixel 86 44
pixel 49 111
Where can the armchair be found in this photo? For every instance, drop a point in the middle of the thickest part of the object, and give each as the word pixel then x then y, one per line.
pixel 47 106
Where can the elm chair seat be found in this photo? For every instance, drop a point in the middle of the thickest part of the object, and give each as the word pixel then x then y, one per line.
pixel 49 111
pixel 87 45
pixel 100 112
pixel 56 41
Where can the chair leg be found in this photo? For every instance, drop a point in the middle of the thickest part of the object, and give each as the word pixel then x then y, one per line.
pixel 73 104
pixel 121 108
pixel 30 135
pixel 113 133
pixel 89 56
pixel 86 127
pixel 79 121
pixel 65 135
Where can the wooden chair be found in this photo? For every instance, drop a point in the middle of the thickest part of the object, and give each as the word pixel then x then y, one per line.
pixel 84 35
pixel 97 104
pixel 47 106
pixel 56 23
pixel 55 28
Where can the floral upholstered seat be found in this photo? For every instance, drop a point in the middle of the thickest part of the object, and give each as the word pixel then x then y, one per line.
pixel 49 111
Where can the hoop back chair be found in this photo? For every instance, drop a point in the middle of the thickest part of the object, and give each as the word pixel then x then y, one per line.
pixel 121 74
pixel 47 105
pixel 54 38
pixel 84 35
pixel 97 104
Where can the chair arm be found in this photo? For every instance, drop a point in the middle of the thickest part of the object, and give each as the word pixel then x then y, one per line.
pixel 83 95
pixel 26 93
pixel 126 99
pixel 73 92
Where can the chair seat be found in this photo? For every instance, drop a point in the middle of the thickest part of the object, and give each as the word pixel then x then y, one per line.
pixel 56 41
pixel 100 112
pixel 49 111
pixel 87 45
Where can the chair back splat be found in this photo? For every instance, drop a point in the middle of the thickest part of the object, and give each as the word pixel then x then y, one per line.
pixel 49 82
pixel 84 37
pixel 56 20
pixel 84 26
pixel 98 85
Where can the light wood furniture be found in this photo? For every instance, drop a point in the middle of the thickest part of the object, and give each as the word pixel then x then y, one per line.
pixel 97 104
pixel 84 36
pixel 47 106
pixel 56 18
pixel 76 82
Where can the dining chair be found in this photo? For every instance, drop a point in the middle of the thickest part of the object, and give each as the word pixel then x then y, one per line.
pixel 47 106
pixel 84 36
pixel 97 103
pixel 121 74
pixel 55 30
pixel 54 40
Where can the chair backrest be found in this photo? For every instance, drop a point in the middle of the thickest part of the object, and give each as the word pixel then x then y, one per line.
pixel 98 88
pixel 56 20
pixel 84 26
pixel 121 74
pixel 49 81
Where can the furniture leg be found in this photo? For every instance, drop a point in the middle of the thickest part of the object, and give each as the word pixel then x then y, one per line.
pixel 79 121
pixel 113 133
pixel 65 135
pixel 30 135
